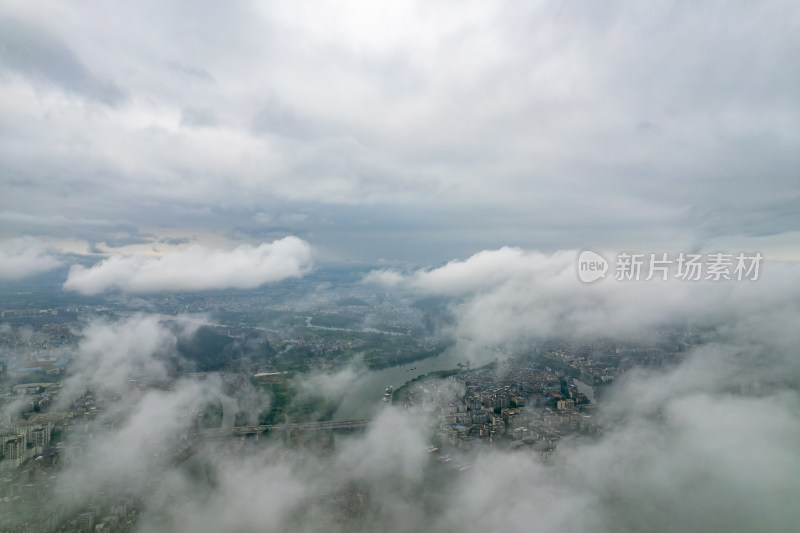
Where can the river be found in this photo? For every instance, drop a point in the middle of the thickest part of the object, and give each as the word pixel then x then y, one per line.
pixel 585 388
pixel 366 394
pixel 362 330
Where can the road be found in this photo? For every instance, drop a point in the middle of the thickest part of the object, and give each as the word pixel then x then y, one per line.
pixel 303 426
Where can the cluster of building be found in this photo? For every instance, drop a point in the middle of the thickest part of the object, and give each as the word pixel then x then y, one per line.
pixel 602 361
pixel 523 408
pixel 32 454
pixel 104 515
pixel 23 442
pixel 33 348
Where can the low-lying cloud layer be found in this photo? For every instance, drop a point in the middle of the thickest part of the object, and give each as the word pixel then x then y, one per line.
pixel 195 268
pixel 510 295
pixel 24 257
pixel 118 356
pixel 683 452
pixel 710 444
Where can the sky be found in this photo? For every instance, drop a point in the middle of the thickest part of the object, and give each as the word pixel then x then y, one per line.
pixel 410 133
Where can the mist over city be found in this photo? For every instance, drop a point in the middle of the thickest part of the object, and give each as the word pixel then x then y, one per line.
pixel 399 266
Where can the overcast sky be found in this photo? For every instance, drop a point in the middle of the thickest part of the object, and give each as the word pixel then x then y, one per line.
pixel 417 132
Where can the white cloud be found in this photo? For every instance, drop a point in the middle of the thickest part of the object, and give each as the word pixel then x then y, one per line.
pixel 488 269
pixel 26 256
pixel 140 347
pixel 509 295
pixel 388 278
pixel 332 386
pixel 153 420
pixel 195 268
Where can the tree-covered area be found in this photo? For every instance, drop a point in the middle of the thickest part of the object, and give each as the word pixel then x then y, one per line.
pixel 207 349
pixel 351 301
pixel 328 320
pixel 331 348
pixel 285 402
pixel 244 348
pixel 211 349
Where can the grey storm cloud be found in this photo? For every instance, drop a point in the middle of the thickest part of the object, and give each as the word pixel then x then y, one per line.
pixel 175 240
pixel 32 52
pixel 198 117
pixel 491 117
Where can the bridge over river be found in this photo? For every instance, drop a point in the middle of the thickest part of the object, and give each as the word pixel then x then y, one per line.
pixel 301 426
